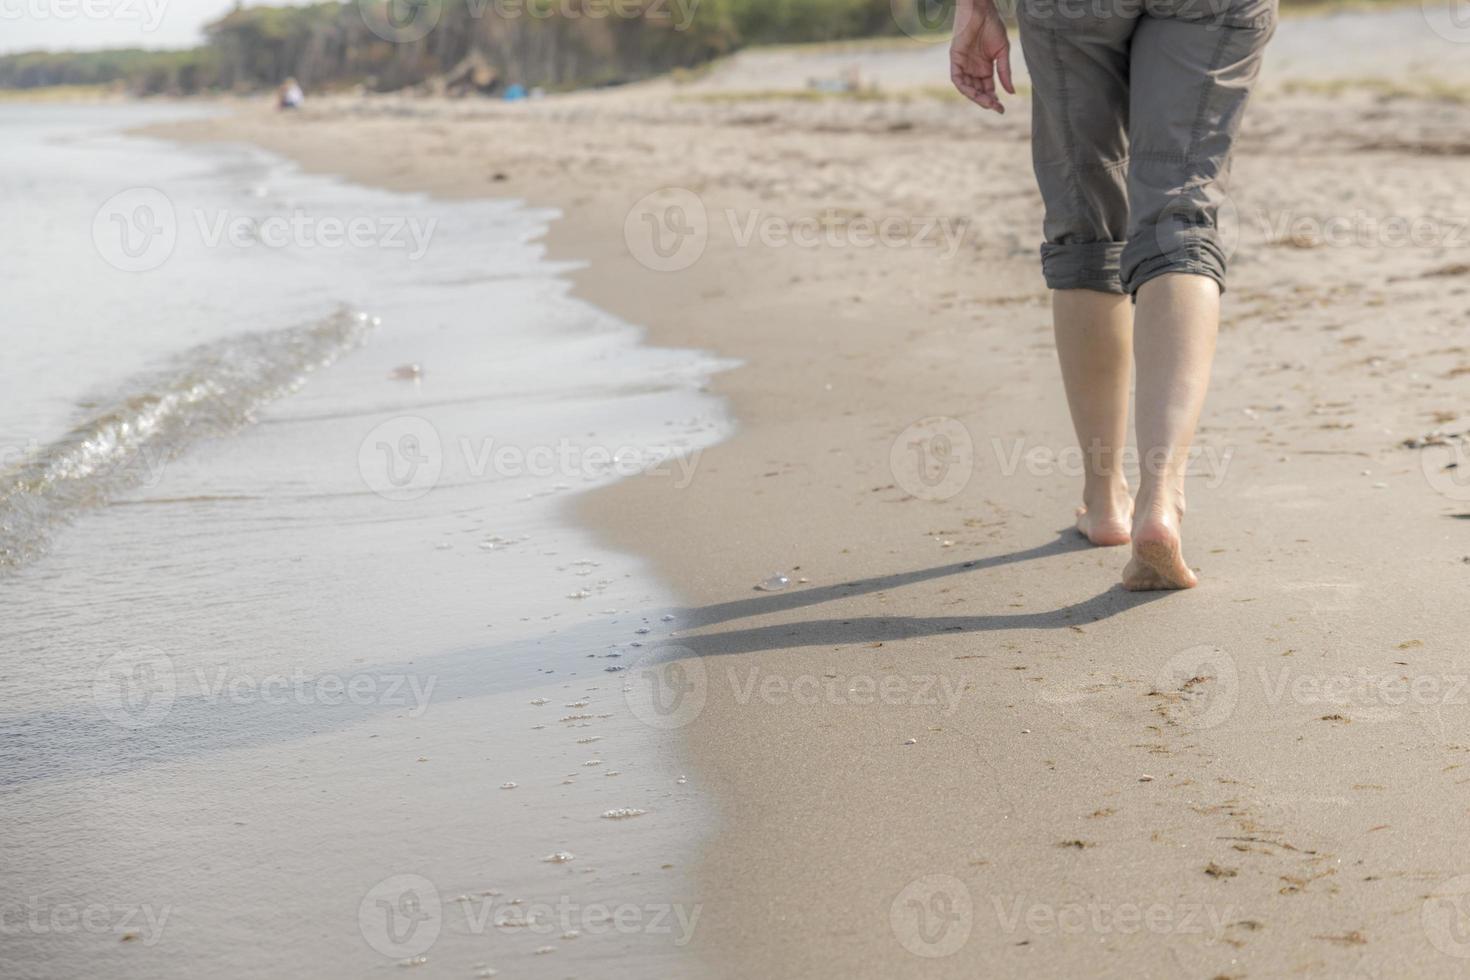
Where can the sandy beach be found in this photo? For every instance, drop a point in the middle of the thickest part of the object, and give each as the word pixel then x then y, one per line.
pixel 951 746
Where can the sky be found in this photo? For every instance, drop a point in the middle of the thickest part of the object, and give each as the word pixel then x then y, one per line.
pixel 60 25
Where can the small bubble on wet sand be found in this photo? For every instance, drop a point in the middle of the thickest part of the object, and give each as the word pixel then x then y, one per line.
pixel 623 813
pixel 414 961
pixel 593 762
pixel 773 584
pixel 682 780
pixel 560 857
pixel 508 785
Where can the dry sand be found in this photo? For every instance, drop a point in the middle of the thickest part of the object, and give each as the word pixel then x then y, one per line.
pixel 952 747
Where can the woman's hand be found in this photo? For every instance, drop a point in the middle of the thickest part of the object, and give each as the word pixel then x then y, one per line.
pixel 979 52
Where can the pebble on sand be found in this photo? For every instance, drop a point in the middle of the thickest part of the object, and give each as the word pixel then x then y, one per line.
pixel 623 813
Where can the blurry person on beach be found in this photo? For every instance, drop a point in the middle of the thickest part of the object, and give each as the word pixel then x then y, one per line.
pixel 289 95
pixel 1135 105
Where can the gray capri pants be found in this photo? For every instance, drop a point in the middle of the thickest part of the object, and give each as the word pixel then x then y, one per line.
pixel 1135 106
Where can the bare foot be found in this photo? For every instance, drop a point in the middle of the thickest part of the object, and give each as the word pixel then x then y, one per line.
pixel 1158 558
pixel 1106 523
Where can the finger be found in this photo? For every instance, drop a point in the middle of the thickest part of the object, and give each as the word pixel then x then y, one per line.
pixel 1003 67
pixel 965 82
pixel 985 98
pixel 976 88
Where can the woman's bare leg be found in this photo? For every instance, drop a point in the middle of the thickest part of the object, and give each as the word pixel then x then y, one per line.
pixel 1175 325
pixel 1094 332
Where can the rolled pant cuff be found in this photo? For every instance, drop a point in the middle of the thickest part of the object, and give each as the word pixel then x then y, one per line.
pixel 1198 257
pixel 1089 265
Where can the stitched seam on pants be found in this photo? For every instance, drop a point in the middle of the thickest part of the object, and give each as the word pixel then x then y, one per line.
pixel 1069 138
pixel 1161 156
pixel 1106 166
pixel 1197 136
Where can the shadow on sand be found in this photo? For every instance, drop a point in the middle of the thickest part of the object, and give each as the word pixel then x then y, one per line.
pixel 869 629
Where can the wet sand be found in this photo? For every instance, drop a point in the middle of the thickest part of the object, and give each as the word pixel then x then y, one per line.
pixel 952 745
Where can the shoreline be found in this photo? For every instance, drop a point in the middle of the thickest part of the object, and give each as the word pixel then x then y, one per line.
pixel 957 711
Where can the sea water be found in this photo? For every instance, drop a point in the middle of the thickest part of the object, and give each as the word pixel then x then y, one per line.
pixel 304 671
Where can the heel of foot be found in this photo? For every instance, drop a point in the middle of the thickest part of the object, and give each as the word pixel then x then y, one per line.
pixel 1161 554
pixel 1157 564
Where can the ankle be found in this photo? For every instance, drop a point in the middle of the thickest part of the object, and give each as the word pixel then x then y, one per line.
pixel 1159 503
pixel 1106 493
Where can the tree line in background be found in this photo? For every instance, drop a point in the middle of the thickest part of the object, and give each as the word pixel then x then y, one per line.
pixel 556 44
